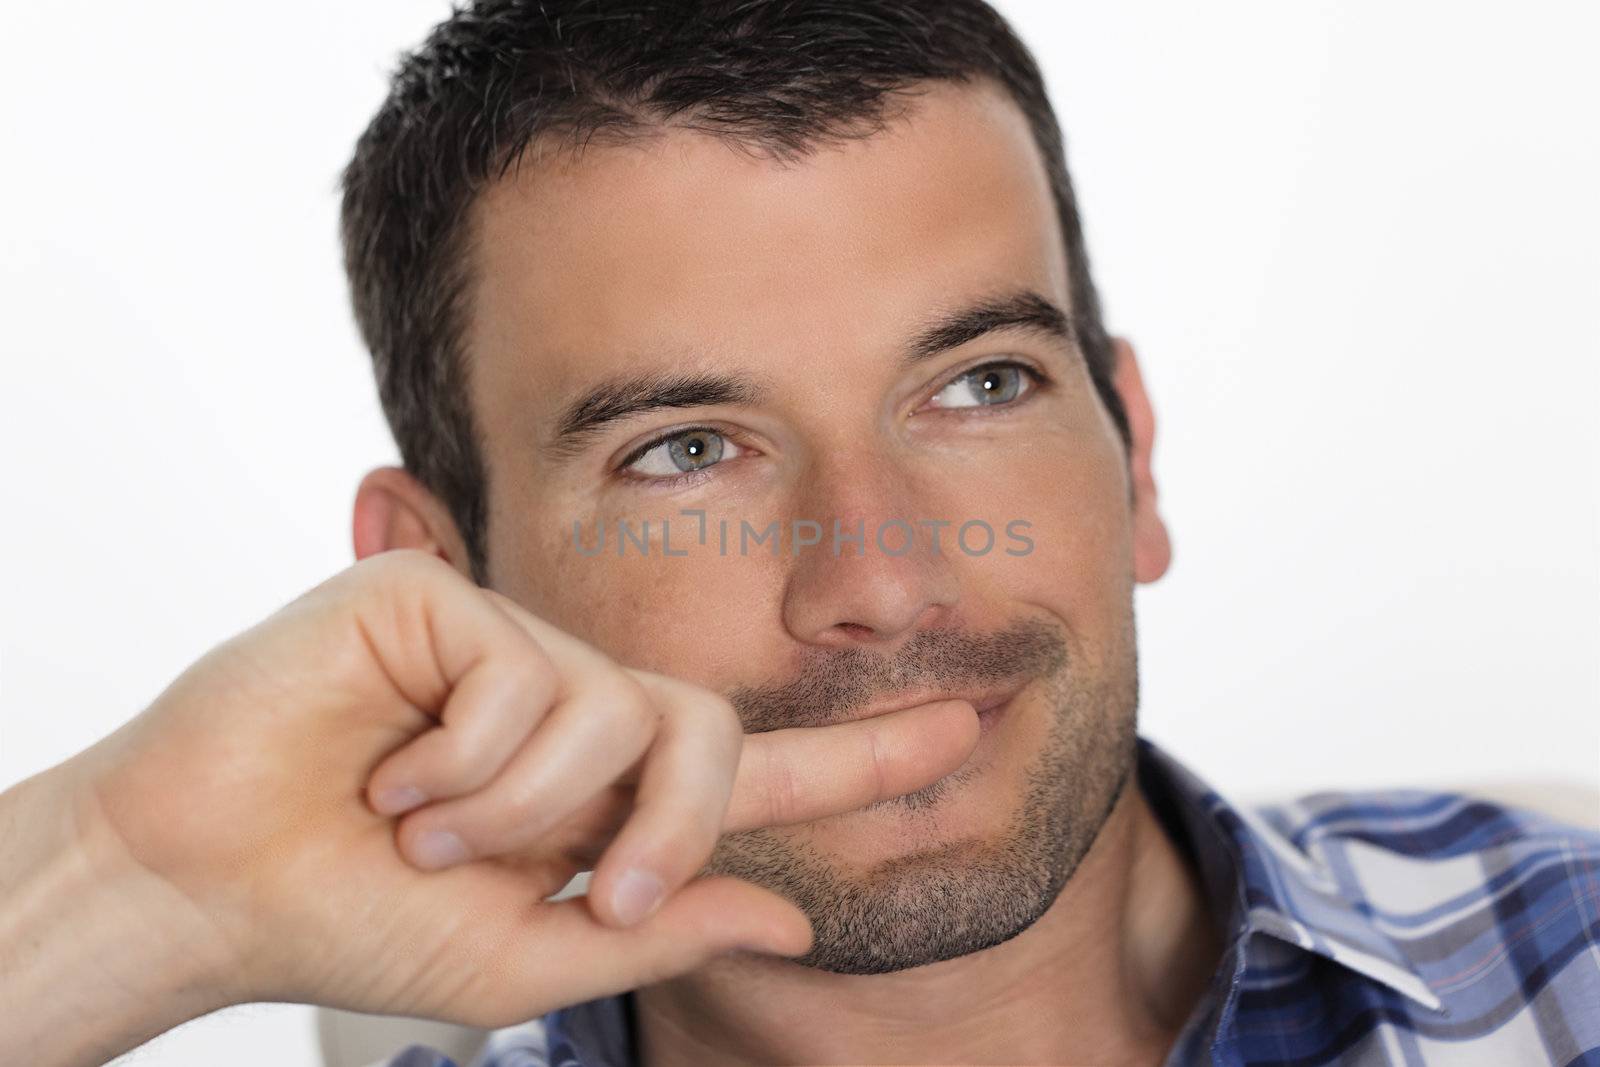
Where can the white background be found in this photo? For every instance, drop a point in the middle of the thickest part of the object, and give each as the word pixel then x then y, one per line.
pixel 1357 246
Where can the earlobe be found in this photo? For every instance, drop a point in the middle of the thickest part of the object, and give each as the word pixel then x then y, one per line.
pixel 394 510
pixel 1152 547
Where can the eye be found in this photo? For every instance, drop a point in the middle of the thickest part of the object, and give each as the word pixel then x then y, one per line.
pixel 679 453
pixel 987 386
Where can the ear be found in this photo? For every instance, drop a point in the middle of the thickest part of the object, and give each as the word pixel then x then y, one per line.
pixel 394 510
pixel 1152 548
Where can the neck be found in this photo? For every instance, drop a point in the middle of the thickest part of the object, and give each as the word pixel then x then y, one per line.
pixel 1108 974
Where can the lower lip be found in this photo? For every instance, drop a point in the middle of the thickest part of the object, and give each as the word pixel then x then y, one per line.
pixel 990 718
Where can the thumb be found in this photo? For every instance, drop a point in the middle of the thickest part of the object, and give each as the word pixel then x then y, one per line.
pixel 568 956
pixel 724 914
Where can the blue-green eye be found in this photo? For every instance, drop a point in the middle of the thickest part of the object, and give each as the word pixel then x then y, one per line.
pixel 680 453
pixel 985 386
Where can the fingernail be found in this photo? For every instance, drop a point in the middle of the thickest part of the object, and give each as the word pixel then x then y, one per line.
pixel 638 893
pixel 438 848
pixel 394 800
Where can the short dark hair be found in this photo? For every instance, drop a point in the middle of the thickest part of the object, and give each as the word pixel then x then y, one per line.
pixel 778 77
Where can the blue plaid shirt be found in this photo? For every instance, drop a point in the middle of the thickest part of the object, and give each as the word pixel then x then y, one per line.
pixel 1361 928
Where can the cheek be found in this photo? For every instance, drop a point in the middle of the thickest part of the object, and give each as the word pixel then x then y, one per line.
pixel 1072 490
pixel 696 617
pixel 689 616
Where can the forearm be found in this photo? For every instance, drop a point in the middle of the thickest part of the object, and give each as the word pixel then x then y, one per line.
pixel 90 965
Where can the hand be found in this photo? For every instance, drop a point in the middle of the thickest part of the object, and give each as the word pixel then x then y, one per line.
pixel 255 800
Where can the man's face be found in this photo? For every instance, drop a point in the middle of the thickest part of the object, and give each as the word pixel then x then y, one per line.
pixel 770 316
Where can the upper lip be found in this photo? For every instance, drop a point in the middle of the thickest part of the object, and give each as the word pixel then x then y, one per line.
pixel 983 699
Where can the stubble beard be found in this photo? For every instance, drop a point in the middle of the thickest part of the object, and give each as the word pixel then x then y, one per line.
pixel 963 897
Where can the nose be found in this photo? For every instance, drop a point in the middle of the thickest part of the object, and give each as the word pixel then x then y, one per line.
pixel 873 576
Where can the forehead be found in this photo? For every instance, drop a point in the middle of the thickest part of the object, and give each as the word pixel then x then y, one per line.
pixel 680 251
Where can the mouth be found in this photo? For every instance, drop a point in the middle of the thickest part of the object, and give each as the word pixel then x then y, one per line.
pixel 990 703
pixel 988 717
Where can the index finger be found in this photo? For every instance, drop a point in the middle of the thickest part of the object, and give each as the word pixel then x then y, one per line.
pixel 807 773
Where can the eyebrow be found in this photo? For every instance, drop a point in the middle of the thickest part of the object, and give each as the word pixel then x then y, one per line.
pixel 1024 309
pixel 623 398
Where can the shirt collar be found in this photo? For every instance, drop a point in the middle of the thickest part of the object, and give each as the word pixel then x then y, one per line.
pixel 596 1033
pixel 1260 882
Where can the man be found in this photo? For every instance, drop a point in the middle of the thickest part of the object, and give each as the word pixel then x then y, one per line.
pixel 746 355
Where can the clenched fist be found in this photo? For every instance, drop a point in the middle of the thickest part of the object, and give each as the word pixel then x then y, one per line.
pixel 366 800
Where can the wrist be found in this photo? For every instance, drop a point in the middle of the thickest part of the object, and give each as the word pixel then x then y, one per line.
pixel 97 955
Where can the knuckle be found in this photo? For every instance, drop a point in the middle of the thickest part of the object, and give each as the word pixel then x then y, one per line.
pixel 451 757
pixel 729 731
pixel 622 698
pixel 518 800
pixel 685 845
pixel 388 575
pixel 401 563
pixel 711 713
pixel 530 674
pixel 783 799
pixel 878 762
pixel 499 599
pixel 719 709
pixel 673 842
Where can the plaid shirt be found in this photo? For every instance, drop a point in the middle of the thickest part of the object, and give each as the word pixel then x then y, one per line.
pixel 1394 927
